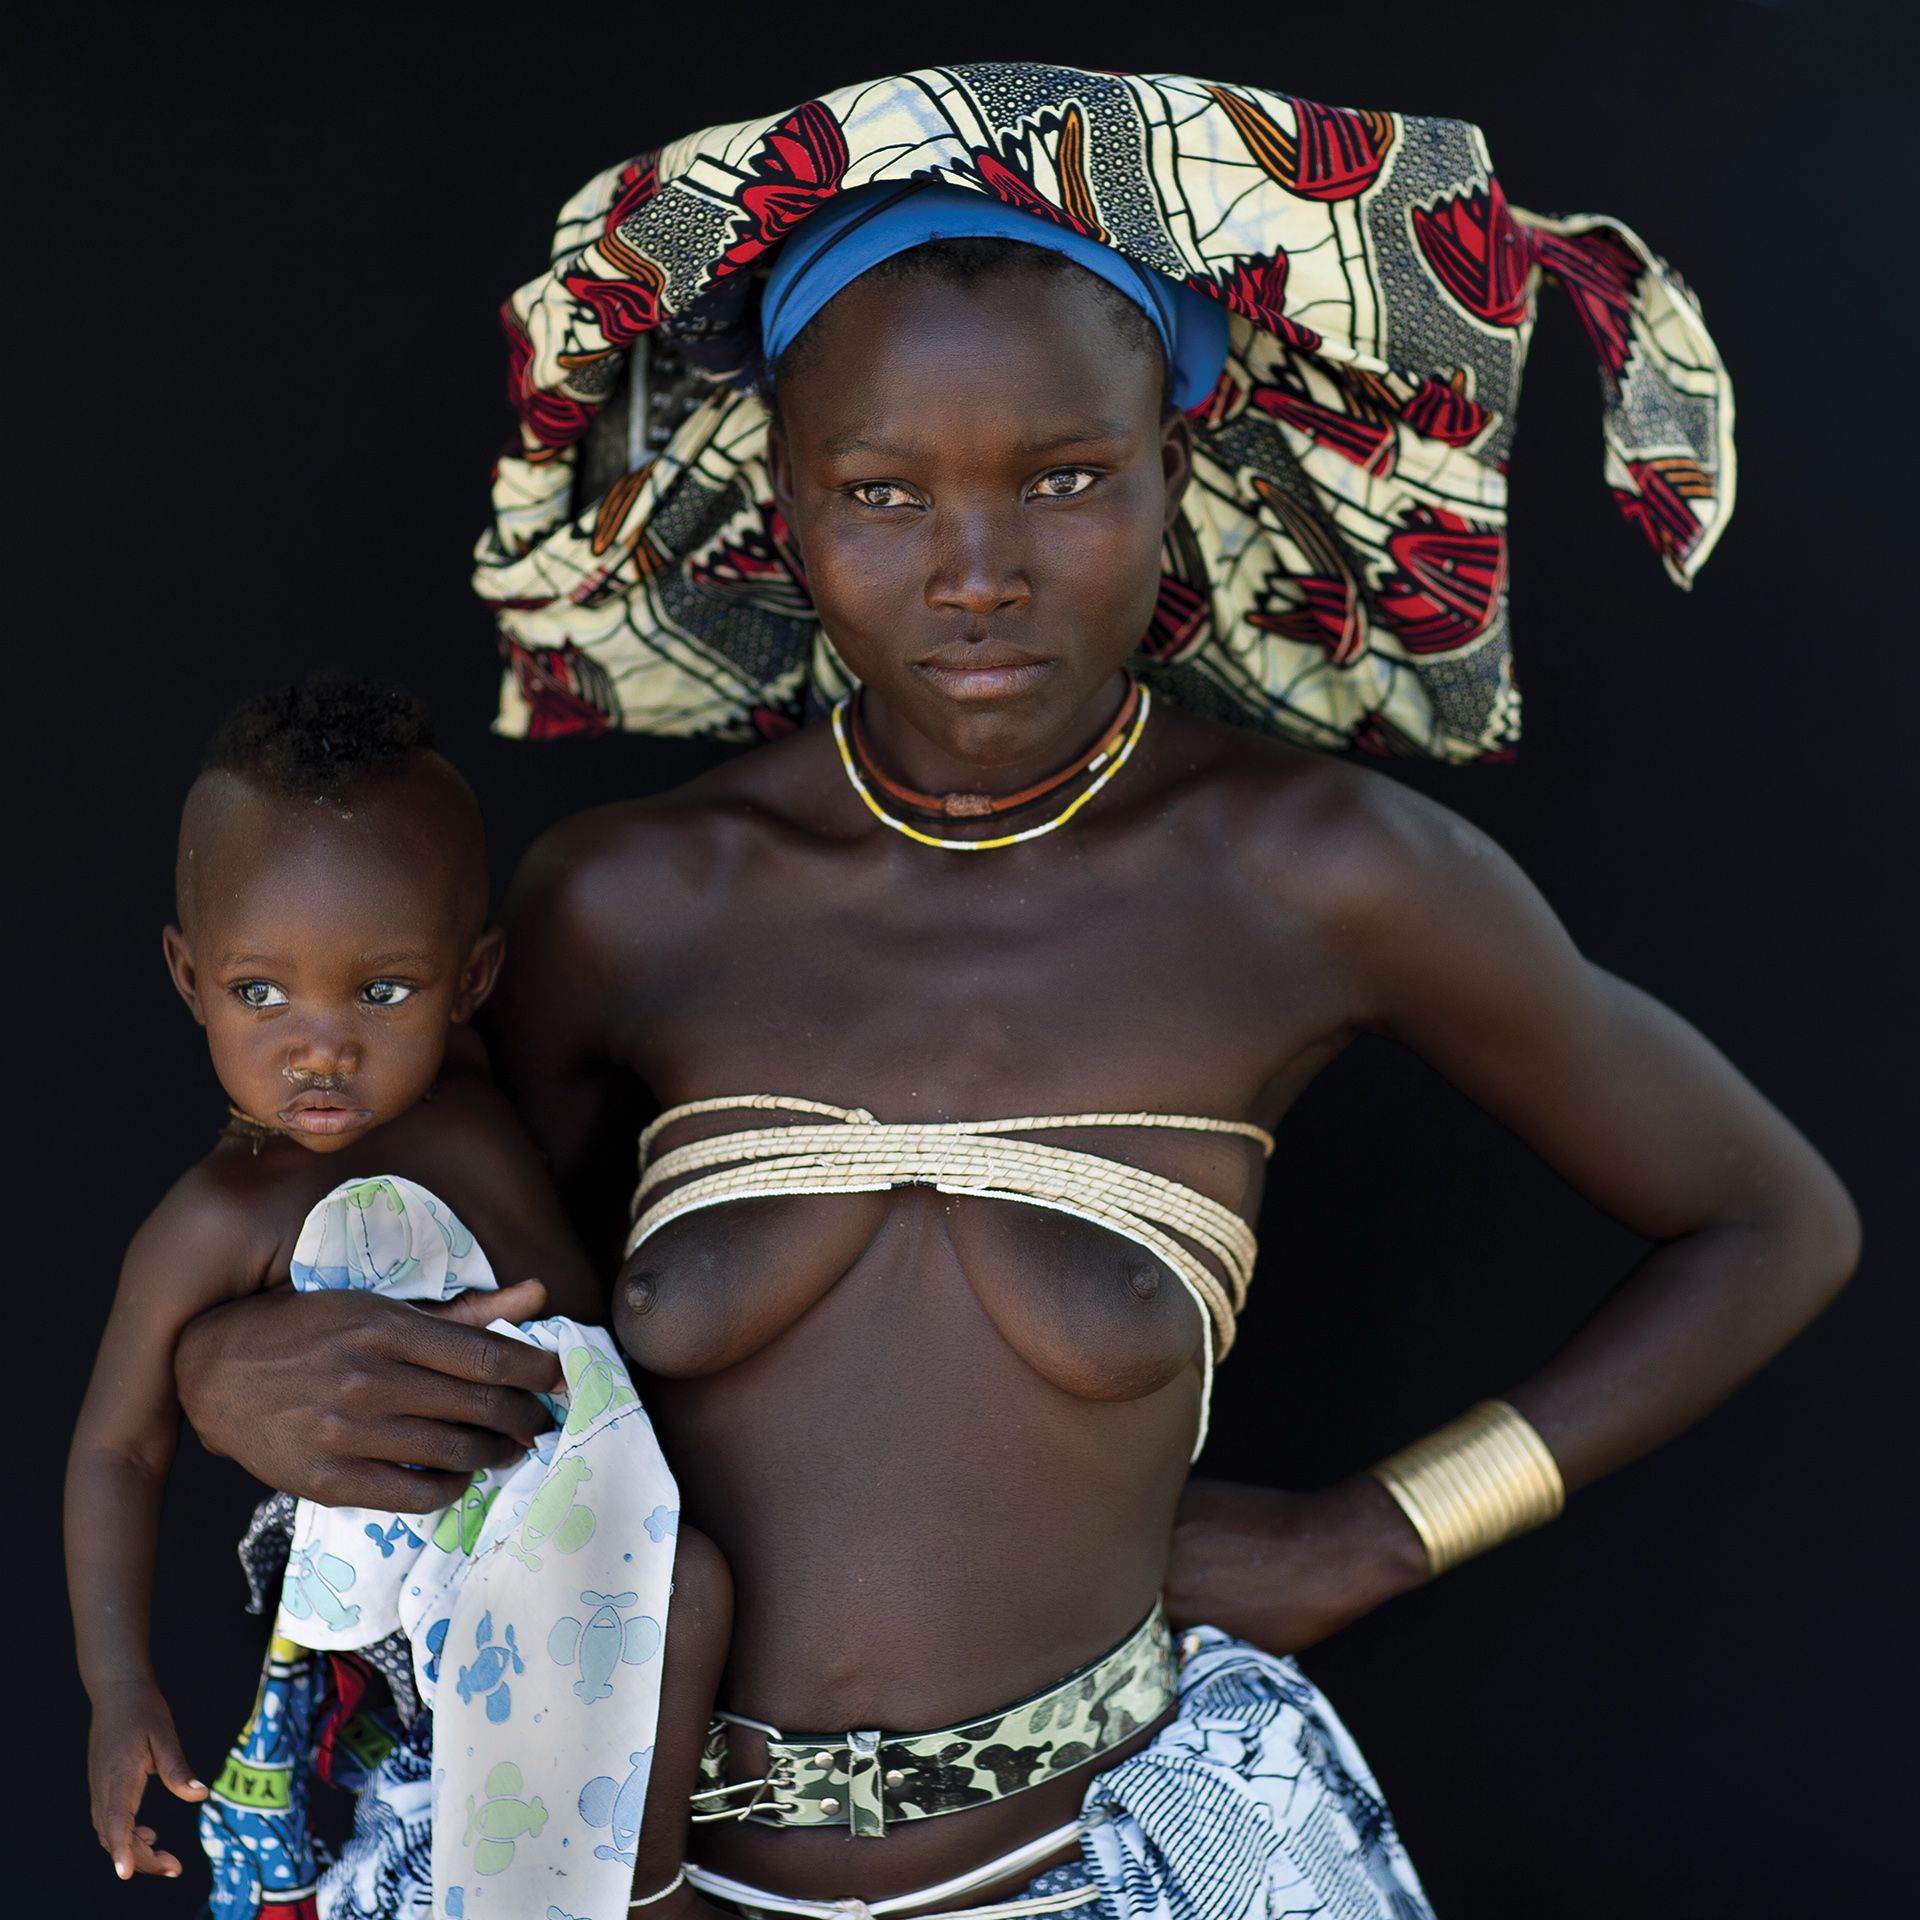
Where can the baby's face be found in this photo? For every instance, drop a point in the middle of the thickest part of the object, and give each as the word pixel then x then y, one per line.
pixel 327 951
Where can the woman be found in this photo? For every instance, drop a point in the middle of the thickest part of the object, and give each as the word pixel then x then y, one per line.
pixel 936 1393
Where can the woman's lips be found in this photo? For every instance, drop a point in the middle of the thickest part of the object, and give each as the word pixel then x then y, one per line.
pixel 984 680
pixel 316 1119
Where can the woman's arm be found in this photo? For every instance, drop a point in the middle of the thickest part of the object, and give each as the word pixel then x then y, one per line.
pixel 1457 955
pixel 1451 950
pixel 190 1253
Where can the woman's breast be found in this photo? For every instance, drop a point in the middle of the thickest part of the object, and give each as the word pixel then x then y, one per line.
pixel 1088 1311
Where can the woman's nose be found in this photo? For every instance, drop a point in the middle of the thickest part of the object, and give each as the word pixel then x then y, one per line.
pixel 980 568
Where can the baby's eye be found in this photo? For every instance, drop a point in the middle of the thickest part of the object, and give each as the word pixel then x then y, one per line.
pixel 896 496
pixel 259 993
pixel 384 993
pixel 1063 483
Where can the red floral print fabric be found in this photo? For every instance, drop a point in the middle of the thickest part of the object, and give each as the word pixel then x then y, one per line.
pixel 1339 572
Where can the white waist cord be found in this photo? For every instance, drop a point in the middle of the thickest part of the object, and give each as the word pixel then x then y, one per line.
pixel 1022 1857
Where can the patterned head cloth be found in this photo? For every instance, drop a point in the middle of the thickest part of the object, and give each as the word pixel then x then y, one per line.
pixel 1338 572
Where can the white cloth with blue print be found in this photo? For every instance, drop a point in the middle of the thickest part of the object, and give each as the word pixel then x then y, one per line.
pixel 1252 1803
pixel 535 1605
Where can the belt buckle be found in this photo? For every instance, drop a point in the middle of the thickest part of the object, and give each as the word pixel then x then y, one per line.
pixel 866 1801
pixel 854 1757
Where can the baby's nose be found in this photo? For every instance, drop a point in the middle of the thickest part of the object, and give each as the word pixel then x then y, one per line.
pixel 321 1055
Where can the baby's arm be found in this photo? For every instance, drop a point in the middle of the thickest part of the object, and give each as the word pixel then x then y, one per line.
pixel 505 1194
pixel 192 1252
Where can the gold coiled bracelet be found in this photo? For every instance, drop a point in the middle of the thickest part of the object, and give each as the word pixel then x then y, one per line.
pixel 1473 1483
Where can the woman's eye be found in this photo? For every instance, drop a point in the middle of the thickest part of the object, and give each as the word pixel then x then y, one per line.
pixel 259 993
pixel 384 993
pixel 895 496
pixel 1063 483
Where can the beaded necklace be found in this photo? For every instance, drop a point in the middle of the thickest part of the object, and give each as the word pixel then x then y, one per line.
pixel 1104 764
pixel 975 806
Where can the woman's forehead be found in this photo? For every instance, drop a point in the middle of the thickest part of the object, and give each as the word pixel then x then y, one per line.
pixel 1022 349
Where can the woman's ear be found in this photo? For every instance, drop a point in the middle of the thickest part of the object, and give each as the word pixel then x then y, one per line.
pixel 780 465
pixel 186 981
pixel 1176 460
pixel 478 972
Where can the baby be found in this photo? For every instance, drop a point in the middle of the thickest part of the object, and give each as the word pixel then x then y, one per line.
pixel 332 940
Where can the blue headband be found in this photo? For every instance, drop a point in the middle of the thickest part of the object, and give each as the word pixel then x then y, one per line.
pixel 831 249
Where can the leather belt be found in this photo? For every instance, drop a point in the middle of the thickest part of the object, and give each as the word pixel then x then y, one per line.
pixel 865 1780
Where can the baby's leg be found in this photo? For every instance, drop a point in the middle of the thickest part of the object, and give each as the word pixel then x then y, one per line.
pixel 699 1627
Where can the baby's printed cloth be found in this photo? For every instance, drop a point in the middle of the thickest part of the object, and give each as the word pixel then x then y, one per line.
pixel 535 1609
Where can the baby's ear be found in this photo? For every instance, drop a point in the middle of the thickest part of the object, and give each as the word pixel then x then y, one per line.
pixel 478 972
pixel 186 982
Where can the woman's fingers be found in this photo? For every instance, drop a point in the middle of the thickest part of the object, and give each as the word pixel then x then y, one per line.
pixel 384 1487
pixel 440 1446
pixel 443 1344
pixel 417 1463
pixel 323 1394
pixel 524 1300
pixel 486 1425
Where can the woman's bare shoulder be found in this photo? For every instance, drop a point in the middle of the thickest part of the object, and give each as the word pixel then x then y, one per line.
pixel 607 865
pixel 756 789
pixel 1322 832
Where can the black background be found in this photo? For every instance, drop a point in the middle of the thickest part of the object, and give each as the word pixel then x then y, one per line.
pixel 255 384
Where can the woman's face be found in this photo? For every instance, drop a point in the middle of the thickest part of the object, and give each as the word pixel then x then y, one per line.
pixel 978 476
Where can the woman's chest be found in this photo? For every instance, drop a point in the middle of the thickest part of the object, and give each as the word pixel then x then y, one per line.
pixel 983 997
pixel 905 1285
pixel 978 993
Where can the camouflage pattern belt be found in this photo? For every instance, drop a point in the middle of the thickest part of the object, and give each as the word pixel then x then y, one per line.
pixel 865 1780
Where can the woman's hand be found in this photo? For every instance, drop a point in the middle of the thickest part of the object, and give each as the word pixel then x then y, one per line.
pixel 1286 1569
pixel 336 1396
pixel 133 1735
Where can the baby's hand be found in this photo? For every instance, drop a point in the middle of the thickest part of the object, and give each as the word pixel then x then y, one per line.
pixel 133 1735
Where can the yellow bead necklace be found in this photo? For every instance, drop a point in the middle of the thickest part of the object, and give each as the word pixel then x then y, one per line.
pixel 1103 768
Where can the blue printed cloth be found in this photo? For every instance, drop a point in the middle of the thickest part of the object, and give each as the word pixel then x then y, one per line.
pixel 1253 1802
pixel 535 1610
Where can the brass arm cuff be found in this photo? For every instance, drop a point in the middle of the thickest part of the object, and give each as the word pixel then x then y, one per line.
pixel 1478 1480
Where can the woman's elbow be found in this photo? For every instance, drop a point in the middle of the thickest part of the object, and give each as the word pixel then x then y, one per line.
pixel 1823 1226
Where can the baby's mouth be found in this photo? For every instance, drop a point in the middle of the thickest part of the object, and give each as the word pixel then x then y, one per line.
pixel 324 1110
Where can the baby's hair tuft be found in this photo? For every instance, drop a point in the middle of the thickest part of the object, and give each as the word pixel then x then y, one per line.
pixel 321 736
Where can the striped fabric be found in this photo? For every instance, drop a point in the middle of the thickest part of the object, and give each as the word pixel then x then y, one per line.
pixel 1254 1802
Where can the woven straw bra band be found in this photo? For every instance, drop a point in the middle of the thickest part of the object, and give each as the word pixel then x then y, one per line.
pixel 846 1150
